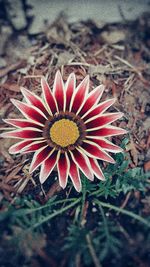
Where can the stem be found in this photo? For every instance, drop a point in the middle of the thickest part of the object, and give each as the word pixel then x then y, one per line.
pixel 97 191
pixel 83 198
pixel 54 214
pixel 26 211
pixel 92 251
pixel 105 222
pixel 124 211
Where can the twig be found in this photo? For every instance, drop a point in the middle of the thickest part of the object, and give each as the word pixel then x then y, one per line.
pixel 78 260
pixel 125 62
pixel 100 50
pixel 134 69
pixel 125 233
pixel 54 189
pixel 12 67
pixel 126 200
pixel 92 251
pixel 78 64
pixel 33 76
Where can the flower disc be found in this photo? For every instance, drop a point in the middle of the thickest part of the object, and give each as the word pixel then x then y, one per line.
pixel 64 132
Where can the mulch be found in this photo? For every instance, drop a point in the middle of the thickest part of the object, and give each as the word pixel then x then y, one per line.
pixel 116 55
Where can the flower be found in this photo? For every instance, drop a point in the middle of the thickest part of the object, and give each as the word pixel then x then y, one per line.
pixel 66 128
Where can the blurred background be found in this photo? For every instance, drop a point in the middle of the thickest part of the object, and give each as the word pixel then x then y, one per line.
pixel 34 14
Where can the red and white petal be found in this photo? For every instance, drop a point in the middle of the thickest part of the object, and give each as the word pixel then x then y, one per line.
pixel 34 146
pixel 96 169
pixel 16 148
pixel 82 162
pixel 105 132
pixel 70 88
pixel 39 157
pixel 79 96
pixel 35 100
pixel 63 167
pixel 22 123
pixel 99 109
pixel 92 99
pixel 75 176
pixel 100 121
pixel 58 91
pixel 94 151
pixel 26 133
pixel 48 166
pixel 30 112
pixel 107 145
pixel 48 97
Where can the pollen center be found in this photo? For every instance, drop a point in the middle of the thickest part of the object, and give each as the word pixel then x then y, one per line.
pixel 64 132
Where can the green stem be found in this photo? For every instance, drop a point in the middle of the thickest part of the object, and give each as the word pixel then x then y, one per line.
pixel 127 212
pixel 97 191
pixel 47 218
pixel 105 222
pixel 83 198
pixel 26 211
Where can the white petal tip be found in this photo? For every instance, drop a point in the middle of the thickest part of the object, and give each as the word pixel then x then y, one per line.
pixel 2 135
pixel 4 120
pixel 121 114
pixel 78 189
pixel 102 86
pixel 102 178
pixel 62 185
pixel 12 152
pixel 43 80
pixel 91 178
pixel 72 75
pixel 13 100
pixel 31 170
pixel 58 73
pixel 42 179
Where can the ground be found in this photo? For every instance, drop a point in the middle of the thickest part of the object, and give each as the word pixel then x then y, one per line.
pixel 118 56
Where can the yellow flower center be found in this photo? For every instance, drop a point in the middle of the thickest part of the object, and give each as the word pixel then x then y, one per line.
pixel 64 132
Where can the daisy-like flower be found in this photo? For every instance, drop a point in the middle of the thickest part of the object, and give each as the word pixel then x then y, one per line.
pixel 67 128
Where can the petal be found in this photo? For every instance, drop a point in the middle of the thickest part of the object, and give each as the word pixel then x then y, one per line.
pixel 93 150
pixel 107 145
pixel 30 112
pixel 63 166
pixel 48 166
pixel 93 98
pixel 102 120
pixel 105 132
pixel 34 146
pixel 75 176
pixel 58 91
pixel 26 133
pixel 79 96
pixel 82 162
pixel 33 99
pixel 22 123
pixel 96 169
pixel 39 157
pixel 101 108
pixel 70 88
pixel 17 147
pixel 48 97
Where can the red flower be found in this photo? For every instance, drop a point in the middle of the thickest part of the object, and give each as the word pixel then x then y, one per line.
pixel 67 129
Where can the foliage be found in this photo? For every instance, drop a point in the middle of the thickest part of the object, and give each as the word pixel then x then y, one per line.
pixel 103 234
